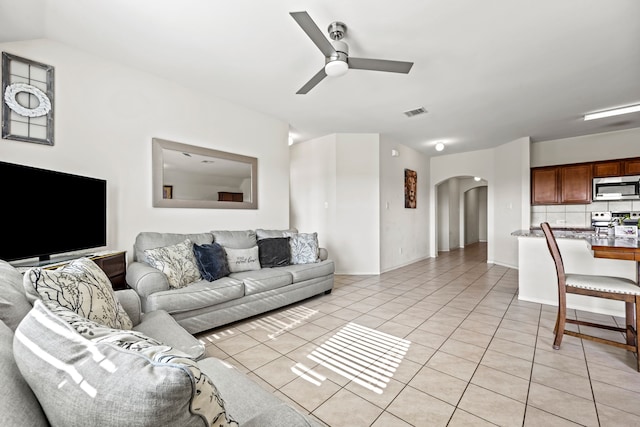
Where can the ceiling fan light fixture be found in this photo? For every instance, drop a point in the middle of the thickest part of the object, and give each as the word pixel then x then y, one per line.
pixel 612 112
pixel 336 68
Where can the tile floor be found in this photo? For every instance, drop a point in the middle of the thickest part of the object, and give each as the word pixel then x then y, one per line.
pixel 440 342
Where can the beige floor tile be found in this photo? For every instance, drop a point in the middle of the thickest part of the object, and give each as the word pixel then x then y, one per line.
pixel 406 370
pixel 479 327
pixel 616 397
pixel 564 405
pixel 426 338
pixel 378 395
pixel 346 314
pixel 388 420
pixel 512 349
pixel 611 417
pixel 500 382
pixel 554 359
pixel 237 344
pixel 395 329
pixel 628 379
pixel 338 410
pixel 439 385
pixel 214 351
pixel 503 362
pixel 328 322
pixel 535 417
pixel 491 406
pixel 470 352
pixel 278 372
pixel 310 394
pixel 561 380
pixel 256 356
pixel 285 343
pixel 462 418
pixel 516 336
pixel 309 332
pixel 420 409
pixel 452 365
pixel 471 337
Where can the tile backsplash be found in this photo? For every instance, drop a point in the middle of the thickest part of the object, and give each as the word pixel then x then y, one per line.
pixel 577 216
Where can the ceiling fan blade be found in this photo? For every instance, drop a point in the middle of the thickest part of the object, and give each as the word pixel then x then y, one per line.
pixel 312 82
pixel 379 65
pixel 308 26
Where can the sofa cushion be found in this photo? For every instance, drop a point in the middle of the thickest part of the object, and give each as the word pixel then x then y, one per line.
pixel 13 301
pixel 160 325
pixel 263 280
pixel 197 295
pixel 266 234
pixel 177 262
pixel 18 405
pixel 81 382
pixel 243 259
pixel 80 286
pixel 274 252
pixel 304 248
pixel 150 240
pixel 302 272
pixel 235 239
pixel 212 261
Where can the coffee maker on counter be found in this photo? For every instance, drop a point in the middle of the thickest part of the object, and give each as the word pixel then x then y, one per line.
pixel 602 221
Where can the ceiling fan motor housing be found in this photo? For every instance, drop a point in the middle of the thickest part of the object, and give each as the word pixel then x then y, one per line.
pixel 337 30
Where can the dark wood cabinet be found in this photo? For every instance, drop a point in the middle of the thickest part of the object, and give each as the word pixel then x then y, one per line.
pixel 575 184
pixel 632 167
pixel 544 186
pixel 115 267
pixel 225 196
pixel 609 168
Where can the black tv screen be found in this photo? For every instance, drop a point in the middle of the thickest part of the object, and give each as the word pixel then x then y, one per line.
pixel 50 212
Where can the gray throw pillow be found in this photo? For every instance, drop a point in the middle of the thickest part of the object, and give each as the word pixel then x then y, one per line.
pixel 80 286
pixel 116 378
pixel 274 252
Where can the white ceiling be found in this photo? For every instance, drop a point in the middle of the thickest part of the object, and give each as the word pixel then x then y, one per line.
pixel 488 71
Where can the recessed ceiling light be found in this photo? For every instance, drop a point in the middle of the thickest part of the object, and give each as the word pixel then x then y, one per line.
pixel 476 178
pixel 439 146
pixel 613 112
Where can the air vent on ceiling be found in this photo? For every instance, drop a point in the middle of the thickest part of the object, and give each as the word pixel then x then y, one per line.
pixel 415 112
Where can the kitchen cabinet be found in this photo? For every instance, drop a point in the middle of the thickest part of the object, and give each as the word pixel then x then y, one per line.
pixel 608 168
pixel 632 167
pixel 544 186
pixel 566 184
pixel 575 184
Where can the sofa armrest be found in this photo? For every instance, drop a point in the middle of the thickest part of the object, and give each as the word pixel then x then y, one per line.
pixel 323 254
pixel 130 301
pixel 146 280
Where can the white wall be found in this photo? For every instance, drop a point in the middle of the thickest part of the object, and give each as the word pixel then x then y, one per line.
pixel 443 206
pixel 506 170
pixel 589 148
pixel 335 191
pixel 105 117
pixel 404 234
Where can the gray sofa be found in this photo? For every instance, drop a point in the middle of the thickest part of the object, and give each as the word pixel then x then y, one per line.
pixel 23 403
pixel 204 305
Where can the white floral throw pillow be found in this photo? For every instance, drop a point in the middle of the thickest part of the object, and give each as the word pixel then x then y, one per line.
pixel 304 247
pixel 177 262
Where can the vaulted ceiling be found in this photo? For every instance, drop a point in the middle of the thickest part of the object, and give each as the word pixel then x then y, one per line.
pixel 487 71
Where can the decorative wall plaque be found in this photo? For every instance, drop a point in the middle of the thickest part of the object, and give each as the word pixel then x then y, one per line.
pixel 27 100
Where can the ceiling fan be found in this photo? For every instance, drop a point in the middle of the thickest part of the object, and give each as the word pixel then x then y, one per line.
pixel 337 59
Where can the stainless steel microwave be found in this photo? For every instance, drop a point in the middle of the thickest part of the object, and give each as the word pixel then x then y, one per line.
pixel 617 188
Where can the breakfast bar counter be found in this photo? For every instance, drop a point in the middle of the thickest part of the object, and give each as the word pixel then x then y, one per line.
pixel 583 252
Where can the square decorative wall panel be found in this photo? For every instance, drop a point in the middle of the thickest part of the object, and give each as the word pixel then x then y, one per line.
pixel 27 100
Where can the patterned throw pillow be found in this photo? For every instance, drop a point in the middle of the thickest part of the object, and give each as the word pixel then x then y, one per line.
pixel 177 262
pixel 111 377
pixel 304 248
pixel 212 261
pixel 80 286
pixel 243 259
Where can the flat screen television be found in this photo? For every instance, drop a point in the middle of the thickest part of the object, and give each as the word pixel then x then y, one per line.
pixel 50 212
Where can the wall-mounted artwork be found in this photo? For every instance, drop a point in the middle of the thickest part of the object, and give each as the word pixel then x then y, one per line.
pixel 27 100
pixel 410 188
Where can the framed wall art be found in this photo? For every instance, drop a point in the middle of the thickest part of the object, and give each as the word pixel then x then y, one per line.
pixel 27 100
pixel 410 188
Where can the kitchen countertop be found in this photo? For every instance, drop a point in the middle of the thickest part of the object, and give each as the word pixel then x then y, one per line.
pixel 587 234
